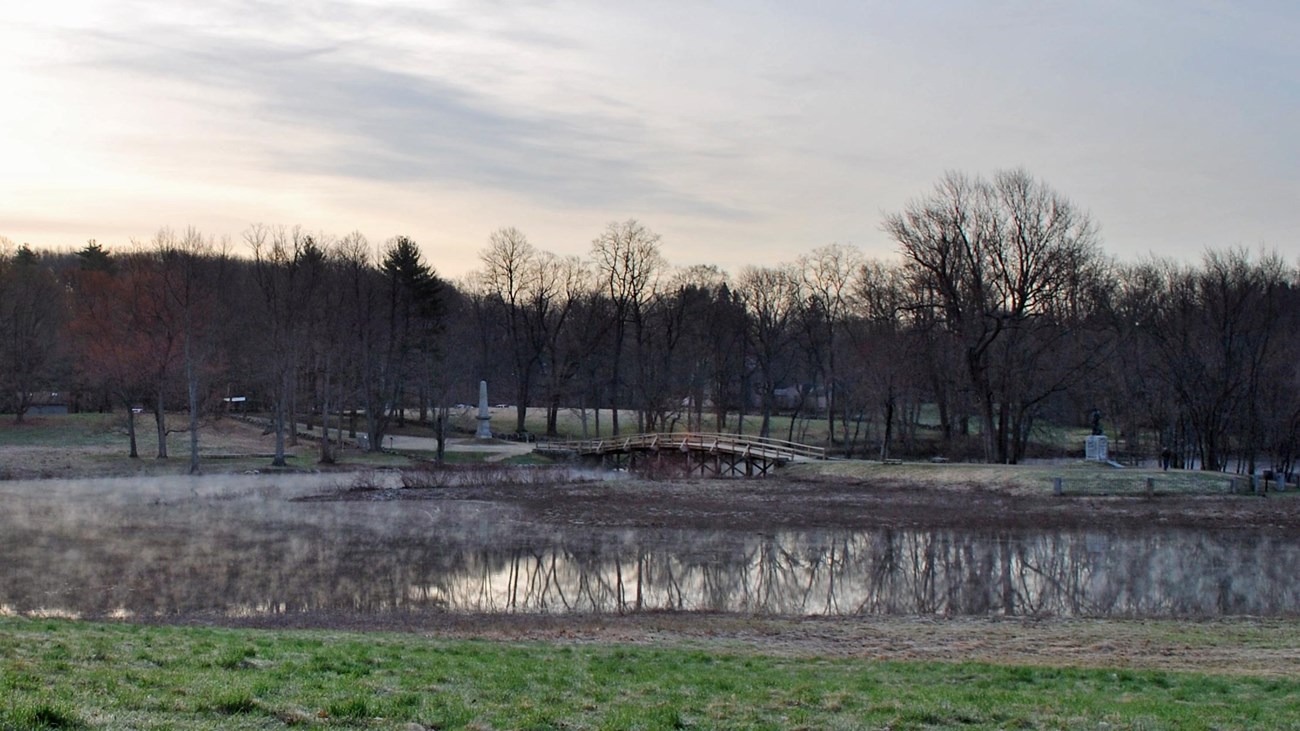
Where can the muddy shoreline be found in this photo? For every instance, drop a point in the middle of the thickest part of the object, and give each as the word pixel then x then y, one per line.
pixel 839 503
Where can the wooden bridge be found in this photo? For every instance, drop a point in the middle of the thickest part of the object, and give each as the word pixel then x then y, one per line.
pixel 715 455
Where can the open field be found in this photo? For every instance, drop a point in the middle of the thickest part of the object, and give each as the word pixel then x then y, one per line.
pixel 1077 477
pixel 332 669
pixel 96 445
pixel 58 674
pixel 808 428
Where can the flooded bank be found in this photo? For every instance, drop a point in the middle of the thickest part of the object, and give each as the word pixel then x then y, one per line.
pixel 245 546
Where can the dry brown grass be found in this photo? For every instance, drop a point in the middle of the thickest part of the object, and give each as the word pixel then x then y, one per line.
pixel 1077 477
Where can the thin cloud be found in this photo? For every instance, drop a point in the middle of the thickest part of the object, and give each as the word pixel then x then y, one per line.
pixel 395 125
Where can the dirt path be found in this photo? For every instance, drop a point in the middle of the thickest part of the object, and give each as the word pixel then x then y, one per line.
pixel 496 451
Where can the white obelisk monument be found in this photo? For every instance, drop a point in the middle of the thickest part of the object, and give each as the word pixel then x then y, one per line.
pixel 484 418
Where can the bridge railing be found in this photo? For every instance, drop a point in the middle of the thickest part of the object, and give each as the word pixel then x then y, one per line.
pixel 707 441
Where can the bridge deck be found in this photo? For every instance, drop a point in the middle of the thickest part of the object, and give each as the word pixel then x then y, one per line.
pixel 739 445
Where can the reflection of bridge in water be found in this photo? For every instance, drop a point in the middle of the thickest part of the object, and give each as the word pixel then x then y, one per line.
pixel 708 455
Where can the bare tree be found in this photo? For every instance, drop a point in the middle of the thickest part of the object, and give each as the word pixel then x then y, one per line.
pixel 192 267
pixel 359 373
pixel 990 258
pixel 828 282
pixel 627 263
pixel 288 267
pixel 883 365
pixel 562 284
pixel 670 367
pixel 520 287
pixel 771 296
pixel 1209 335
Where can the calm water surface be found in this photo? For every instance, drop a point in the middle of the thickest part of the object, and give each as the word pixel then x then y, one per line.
pixel 242 546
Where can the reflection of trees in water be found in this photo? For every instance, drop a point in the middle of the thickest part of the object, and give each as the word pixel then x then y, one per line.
pixel 886 572
pixel 257 555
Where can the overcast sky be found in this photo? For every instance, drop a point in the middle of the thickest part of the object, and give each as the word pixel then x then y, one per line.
pixel 742 132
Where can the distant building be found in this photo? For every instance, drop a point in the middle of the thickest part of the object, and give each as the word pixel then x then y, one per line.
pixel 47 403
pixel 806 396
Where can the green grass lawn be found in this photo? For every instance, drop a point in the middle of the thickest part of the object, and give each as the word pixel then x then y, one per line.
pixel 59 674
pixel 71 430
pixel 808 428
pixel 97 444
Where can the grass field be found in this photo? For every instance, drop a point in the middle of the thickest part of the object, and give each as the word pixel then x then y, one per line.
pixel 72 430
pixel 807 429
pixel 95 444
pixel 1079 478
pixel 569 424
pixel 57 674
pixel 90 445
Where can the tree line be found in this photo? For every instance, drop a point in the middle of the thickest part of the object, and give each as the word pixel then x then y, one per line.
pixel 999 321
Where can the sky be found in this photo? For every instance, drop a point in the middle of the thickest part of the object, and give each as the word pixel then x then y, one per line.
pixel 745 132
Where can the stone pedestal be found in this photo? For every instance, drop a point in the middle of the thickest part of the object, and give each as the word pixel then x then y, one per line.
pixel 484 416
pixel 1096 449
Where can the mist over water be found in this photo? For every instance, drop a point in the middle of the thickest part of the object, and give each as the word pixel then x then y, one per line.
pixel 238 546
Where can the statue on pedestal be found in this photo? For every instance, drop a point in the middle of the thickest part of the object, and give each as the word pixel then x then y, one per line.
pixel 1096 449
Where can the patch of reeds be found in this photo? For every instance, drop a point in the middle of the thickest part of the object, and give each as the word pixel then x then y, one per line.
pixel 492 475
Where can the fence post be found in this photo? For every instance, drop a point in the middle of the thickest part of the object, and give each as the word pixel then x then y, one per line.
pixel 1151 487
pixel 1056 485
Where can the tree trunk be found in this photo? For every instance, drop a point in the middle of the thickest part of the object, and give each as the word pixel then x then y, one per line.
pixel 442 433
pixel 130 431
pixel 613 399
pixel 521 414
pixel 277 426
pixel 160 419
pixel 193 387
pixel 979 378
pixel 338 422
pixel 326 450
pixel 768 406
pixel 553 417
pixel 889 428
pixel 277 422
pixel 292 420
pixel 1004 432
